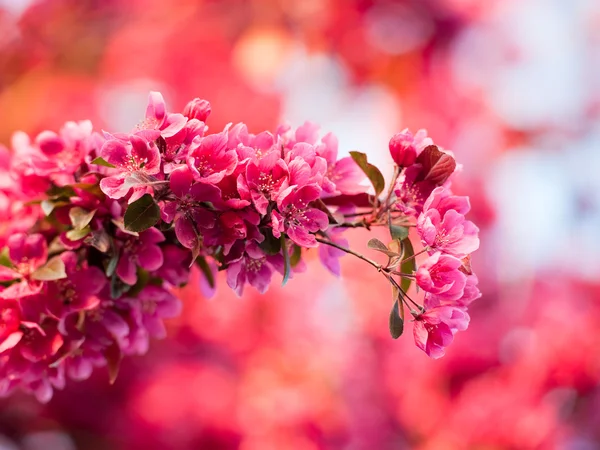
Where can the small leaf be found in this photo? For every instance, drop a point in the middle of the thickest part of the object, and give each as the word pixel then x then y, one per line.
pixel 80 218
pixel 143 278
pixel 376 244
pixel 112 265
pixel 4 258
pixel 286 261
pixel 296 255
pixel 60 191
pixel 206 271
pixel 117 287
pixel 50 205
pixel 54 269
pixel 372 172
pixel 271 245
pixel 99 239
pixel 398 232
pixel 113 356
pixel 396 322
pixel 437 165
pixel 397 295
pixel 99 161
pixel 75 235
pixel 407 266
pixel 396 247
pixel 92 188
pixel 142 214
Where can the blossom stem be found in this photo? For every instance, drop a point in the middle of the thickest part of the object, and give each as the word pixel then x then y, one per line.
pixel 378 266
pixel 415 255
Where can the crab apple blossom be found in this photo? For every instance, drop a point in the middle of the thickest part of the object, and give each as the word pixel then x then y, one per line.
pixel 135 161
pixel 434 330
pixel 402 149
pixel 106 225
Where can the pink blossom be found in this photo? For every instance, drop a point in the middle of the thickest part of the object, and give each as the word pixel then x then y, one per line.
pixel 27 253
pixel 232 226
pixel 176 267
pixel 197 109
pixel 412 193
pixel 209 158
pixel 77 292
pixel 305 166
pixel 452 234
pixel 343 176
pixel 440 275
pixel 442 200
pixel 151 306
pixel 141 251
pixel 157 118
pixel 330 256
pixel 253 267
pixel 175 148
pixel 434 329
pixel 403 149
pixel 10 324
pixel 265 178
pixel 135 161
pixel 296 218
pixel 62 153
pixel 187 211
pixel 235 193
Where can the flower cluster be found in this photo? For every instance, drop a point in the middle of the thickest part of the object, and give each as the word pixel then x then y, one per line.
pixel 98 228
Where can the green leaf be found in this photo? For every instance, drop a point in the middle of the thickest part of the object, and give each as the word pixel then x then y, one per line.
pixel 407 266
pixel 143 278
pixel 92 188
pixel 117 287
pixel 296 255
pixel 287 267
pixel 142 214
pixel 76 234
pixel 396 322
pixel 206 271
pixel 4 258
pixel 114 260
pixel 372 172
pixel 61 191
pixel 54 269
pixel 99 161
pixel 271 245
pixel 398 232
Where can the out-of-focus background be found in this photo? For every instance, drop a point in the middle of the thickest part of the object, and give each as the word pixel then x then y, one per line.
pixel 511 86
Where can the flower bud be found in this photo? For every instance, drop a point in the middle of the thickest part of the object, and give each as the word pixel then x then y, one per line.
pixel 402 149
pixel 197 109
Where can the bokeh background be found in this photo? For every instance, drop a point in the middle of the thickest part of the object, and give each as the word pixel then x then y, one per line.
pixel 511 86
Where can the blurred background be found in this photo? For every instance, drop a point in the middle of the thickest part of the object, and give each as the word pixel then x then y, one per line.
pixel 511 86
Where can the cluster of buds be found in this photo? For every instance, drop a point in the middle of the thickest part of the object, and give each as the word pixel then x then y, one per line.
pixel 97 229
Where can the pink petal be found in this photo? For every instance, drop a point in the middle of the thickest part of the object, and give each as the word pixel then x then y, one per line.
pixel 12 340
pixel 181 180
pixel 150 257
pixel 126 270
pixel 115 152
pixel 115 186
pixel 156 108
